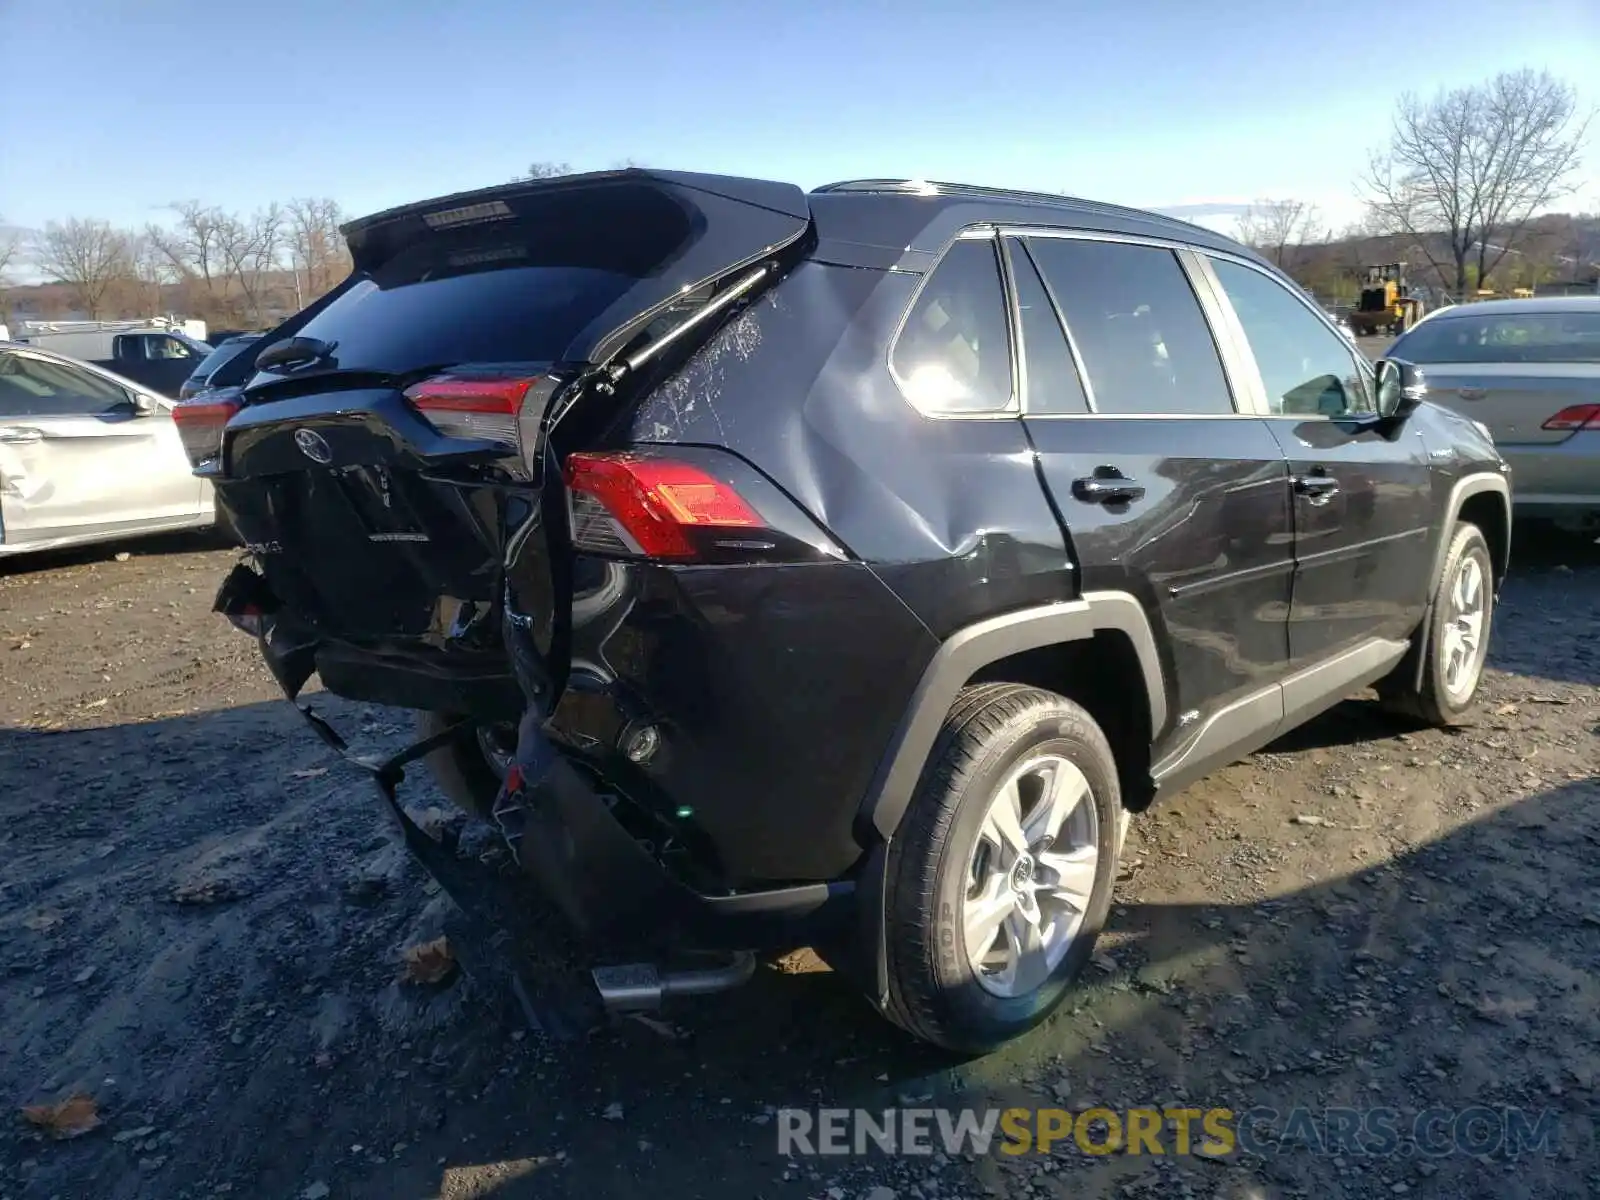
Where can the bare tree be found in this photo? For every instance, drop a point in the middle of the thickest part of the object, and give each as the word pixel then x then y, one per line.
pixel 150 270
pixel 89 256
pixel 545 170
pixel 10 247
pixel 1471 167
pixel 192 246
pixel 251 249
pixel 316 247
pixel 1276 228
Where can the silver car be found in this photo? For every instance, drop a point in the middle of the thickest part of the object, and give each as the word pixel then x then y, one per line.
pixel 1529 370
pixel 86 455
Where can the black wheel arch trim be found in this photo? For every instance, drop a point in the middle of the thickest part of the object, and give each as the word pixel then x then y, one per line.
pixel 968 651
pixel 1460 491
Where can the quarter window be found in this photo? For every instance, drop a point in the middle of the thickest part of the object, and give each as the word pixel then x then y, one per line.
pixel 1306 367
pixel 954 353
pixel 1137 325
pixel 1052 379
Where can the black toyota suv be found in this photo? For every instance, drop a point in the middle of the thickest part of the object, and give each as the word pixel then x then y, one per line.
pixel 840 568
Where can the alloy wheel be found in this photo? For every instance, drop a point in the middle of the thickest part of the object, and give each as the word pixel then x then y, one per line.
pixel 1463 642
pixel 1031 875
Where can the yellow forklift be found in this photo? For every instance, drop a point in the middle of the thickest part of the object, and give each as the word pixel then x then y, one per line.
pixel 1386 305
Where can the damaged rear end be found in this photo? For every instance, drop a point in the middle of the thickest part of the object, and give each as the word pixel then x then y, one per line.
pixel 430 479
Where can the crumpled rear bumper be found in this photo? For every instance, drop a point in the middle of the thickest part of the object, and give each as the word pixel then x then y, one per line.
pixel 616 898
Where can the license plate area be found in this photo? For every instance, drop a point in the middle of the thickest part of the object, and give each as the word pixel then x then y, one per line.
pixel 366 553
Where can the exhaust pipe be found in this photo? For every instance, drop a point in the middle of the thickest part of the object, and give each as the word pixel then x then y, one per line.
pixel 642 987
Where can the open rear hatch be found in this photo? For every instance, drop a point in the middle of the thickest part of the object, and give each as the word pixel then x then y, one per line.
pixel 389 463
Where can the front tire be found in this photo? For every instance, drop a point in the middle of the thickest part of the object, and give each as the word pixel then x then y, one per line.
pixel 1000 877
pixel 1456 642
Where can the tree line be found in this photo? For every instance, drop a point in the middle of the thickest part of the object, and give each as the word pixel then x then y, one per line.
pixel 1460 191
pixel 236 269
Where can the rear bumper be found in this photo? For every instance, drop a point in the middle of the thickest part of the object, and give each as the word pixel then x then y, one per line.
pixel 615 893
pixel 617 900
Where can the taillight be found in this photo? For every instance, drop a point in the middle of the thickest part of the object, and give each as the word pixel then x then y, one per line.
pixel 473 406
pixel 1577 416
pixel 642 505
pixel 200 424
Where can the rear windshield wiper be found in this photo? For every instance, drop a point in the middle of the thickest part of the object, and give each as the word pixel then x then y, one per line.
pixel 295 351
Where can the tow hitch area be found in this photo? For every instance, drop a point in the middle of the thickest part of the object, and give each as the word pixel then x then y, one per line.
pixel 554 992
pixel 555 996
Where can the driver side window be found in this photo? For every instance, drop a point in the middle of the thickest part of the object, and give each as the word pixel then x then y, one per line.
pixel 1307 367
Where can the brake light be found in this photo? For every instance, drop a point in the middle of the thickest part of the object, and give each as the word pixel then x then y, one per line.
pixel 473 406
pixel 1577 416
pixel 200 425
pixel 656 507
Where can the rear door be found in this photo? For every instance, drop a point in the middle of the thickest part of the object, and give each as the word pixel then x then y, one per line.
pixel 1362 493
pixel 77 458
pixel 1166 489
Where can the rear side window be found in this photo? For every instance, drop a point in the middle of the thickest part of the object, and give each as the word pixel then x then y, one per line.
pixel 1052 378
pixel 953 354
pixel 415 312
pixel 1142 335
pixel 222 354
pixel 1507 337
pixel 1306 367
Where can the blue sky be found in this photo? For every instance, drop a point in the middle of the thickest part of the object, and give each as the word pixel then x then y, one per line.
pixel 115 109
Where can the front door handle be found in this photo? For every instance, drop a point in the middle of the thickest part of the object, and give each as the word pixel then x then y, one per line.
pixel 1318 487
pixel 21 437
pixel 1107 486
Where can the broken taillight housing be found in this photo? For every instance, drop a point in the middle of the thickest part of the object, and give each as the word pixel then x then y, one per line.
pixel 200 424
pixel 472 406
pixel 656 507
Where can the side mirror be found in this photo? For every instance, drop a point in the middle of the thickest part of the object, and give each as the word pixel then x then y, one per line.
pixel 1400 387
pixel 144 406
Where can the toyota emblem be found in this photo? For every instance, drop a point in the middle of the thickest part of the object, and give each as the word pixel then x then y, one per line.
pixel 313 445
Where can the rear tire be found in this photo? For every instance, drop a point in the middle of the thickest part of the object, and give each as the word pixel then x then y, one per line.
pixel 1456 642
pixel 958 860
pixel 463 767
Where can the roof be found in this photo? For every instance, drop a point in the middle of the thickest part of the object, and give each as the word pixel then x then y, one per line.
pixel 927 197
pixel 1546 305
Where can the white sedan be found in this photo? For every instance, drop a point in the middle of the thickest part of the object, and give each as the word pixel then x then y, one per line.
pixel 87 456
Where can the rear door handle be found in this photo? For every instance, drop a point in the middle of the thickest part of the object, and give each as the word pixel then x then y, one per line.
pixel 1319 488
pixel 21 437
pixel 1107 486
pixel 1472 393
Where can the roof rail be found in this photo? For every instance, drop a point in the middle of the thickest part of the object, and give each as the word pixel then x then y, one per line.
pixel 925 187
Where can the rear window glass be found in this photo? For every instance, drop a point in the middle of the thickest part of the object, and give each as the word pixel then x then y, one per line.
pixel 1504 337
pixel 410 314
pixel 221 355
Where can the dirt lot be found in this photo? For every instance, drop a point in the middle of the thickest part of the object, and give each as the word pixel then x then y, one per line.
pixel 202 917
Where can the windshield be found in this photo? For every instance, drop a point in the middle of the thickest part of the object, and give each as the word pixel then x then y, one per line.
pixel 1569 337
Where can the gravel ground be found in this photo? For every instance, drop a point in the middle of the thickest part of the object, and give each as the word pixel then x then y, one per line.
pixel 202 921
